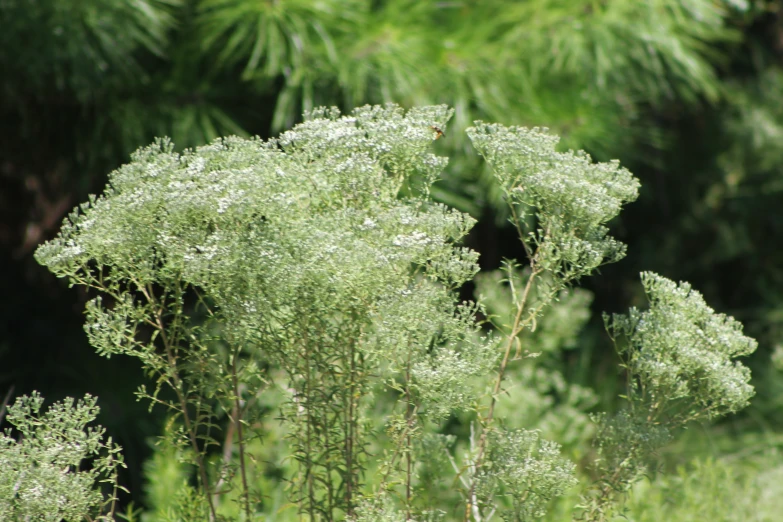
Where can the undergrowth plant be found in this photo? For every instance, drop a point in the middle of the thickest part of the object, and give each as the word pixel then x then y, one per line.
pixel 678 358
pixel 311 276
pixel 41 474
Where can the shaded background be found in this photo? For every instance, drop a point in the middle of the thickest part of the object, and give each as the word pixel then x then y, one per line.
pixel 686 93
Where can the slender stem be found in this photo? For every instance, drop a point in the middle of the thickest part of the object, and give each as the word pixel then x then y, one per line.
pixel 172 361
pixel 351 430
pixel 410 419
pixel 240 441
pixel 398 449
pixel 113 496
pixel 518 227
pixel 308 428
pixel 329 468
pixel 516 329
pixel 408 414
pixel 228 447
pixel 608 487
pixel 6 400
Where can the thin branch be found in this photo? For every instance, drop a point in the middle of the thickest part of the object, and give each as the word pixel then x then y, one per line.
pixel 408 438
pixel 240 440
pixel 309 423
pixel 398 449
pixel 457 470
pixel 351 425
pixel 178 389
pixel 516 329
pixel 227 450
pixel 5 402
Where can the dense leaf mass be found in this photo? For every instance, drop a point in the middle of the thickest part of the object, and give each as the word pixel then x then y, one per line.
pixel 42 472
pixel 316 267
pixel 571 197
pixel 319 253
pixel 682 350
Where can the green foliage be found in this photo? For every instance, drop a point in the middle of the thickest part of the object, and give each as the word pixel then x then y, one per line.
pixel 744 195
pixel 300 255
pixel 42 477
pixel 81 44
pixel 556 331
pixel 679 353
pixel 559 204
pixel 197 69
pixel 385 512
pixel 313 275
pixel 720 490
pixel 167 477
pixel 569 197
pixel 682 354
pixel 537 395
pixel 526 472
pixel 657 40
pixel 675 86
pixel 627 450
pixel 678 356
pixel 274 38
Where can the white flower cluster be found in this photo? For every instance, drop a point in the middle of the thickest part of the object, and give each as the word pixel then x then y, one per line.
pixel 307 251
pixel 527 471
pixel 681 349
pixel 43 474
pixel 572 197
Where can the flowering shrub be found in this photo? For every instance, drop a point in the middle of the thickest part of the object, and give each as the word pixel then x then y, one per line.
pixel 314 273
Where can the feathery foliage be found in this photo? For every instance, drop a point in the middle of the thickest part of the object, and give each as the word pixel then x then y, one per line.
pixel 313 272
pixel 79 45
pixel 300 254
pixel 682 354
pixel 686 92
pixel 559 204
pixel 679 358
pixel 568 198
pixel 42 477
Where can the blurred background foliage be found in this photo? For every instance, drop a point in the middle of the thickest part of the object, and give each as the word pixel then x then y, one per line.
pixel 686 93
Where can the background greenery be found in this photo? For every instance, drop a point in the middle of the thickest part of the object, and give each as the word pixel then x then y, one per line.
pixel 684 92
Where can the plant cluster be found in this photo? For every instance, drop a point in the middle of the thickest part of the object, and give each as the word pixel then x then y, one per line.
pixel 312 273
pixel 43 475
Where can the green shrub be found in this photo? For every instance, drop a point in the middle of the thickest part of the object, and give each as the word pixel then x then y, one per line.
pixel 312 275
pixel 42 476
